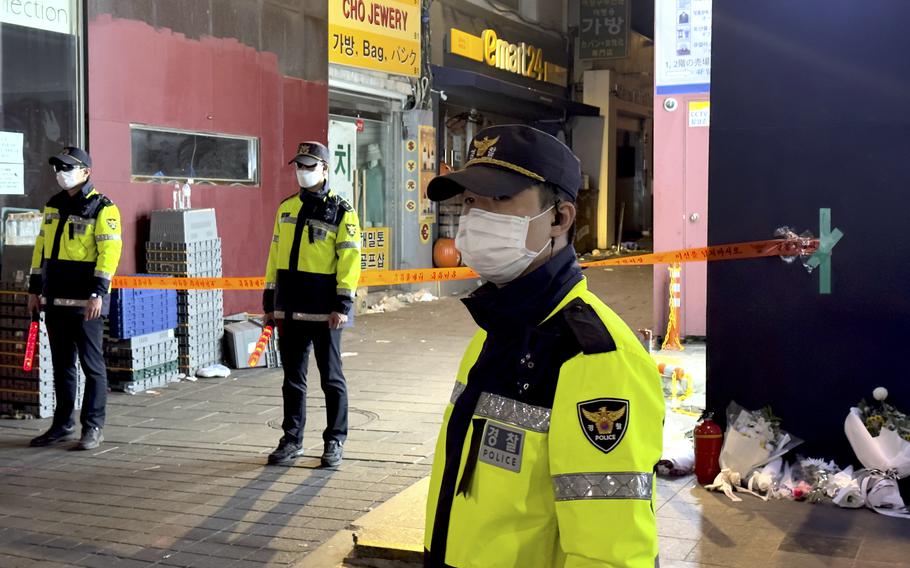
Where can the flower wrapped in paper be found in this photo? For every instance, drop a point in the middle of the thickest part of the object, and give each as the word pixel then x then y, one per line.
pixel 753 439
pixel 880 438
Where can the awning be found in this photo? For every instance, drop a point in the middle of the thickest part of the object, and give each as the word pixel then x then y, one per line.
pixel 474 90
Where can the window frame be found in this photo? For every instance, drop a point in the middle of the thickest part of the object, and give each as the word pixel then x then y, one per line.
pixel 253 157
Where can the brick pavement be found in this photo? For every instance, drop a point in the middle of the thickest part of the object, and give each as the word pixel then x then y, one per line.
pixel 180 480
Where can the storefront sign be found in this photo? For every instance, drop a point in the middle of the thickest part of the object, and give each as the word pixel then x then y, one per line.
pixel 51 15
pixel 382 35
pixel 699 114
pixel 683 44
pixel 374 248
pixel 343 146
pixel 12 164
pixel 427 172
pixel 603 29
pixel 520 58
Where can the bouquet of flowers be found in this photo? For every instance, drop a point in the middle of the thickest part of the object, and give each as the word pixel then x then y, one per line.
pixel 880 437
pixel 753 439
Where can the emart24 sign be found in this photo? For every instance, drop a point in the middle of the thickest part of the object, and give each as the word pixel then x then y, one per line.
pixel 383 35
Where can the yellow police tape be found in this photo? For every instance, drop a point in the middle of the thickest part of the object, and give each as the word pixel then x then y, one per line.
pixel 753 249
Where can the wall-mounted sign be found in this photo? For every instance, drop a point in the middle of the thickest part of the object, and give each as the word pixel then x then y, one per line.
pixel 343 147
pixel 379 35
pixel 699 114
pixel 51 15
pixel 425 233
pixel 520 58
pixel 683 46
pixel 427 172
pixel 374 248
pixel 603 29
pixel 480 40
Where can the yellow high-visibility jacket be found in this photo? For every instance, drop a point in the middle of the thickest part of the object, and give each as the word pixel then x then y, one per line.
pixel 314 258
pixel 78 249
pixel 548 447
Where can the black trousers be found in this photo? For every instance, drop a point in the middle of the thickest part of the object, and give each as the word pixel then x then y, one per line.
pixel 69 335
pixel 294 340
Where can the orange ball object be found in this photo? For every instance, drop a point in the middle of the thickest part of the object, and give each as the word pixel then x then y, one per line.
pixel 445 255
pixel 661 367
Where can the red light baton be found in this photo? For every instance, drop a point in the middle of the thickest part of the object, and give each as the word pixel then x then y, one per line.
pixel 30 344
pixel 260 346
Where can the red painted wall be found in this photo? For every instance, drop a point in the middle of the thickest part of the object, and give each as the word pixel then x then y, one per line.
pixel 139 74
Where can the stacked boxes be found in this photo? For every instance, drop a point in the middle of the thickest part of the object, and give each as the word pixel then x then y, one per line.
pixel 185 243
pixel 141 352
pixel 142 362
pixel 26 393
pixel 138 312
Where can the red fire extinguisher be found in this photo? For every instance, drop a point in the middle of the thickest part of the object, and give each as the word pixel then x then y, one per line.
pixel 709 439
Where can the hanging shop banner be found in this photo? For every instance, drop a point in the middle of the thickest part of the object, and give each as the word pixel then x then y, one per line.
pixel 382 35
pixel 374 248
pixel 343 146
pixel 427 172
pixel 683 46
pixel 50 15
pixel 603 29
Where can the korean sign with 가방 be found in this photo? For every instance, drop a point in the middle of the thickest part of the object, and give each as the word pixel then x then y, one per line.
pixel 382 35
pixel 603 30
pixel 683 46
pixel 374 248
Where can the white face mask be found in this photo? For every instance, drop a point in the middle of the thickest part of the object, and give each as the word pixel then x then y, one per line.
pixel 70 179
pixel 493 244
pixel 309 178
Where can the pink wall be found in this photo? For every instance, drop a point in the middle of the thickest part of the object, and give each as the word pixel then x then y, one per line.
pixel 139 74
pixel 680 189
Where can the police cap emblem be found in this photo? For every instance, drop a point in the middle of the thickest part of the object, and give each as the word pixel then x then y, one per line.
pixel 604 421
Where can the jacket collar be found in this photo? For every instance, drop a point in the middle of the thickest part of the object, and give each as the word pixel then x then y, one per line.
pixel 528 300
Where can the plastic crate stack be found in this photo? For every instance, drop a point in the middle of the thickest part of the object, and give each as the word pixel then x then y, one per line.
pixel 185 243
pixel 26 393
pixel 141 351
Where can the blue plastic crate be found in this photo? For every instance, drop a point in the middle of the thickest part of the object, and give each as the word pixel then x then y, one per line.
pixel 141 311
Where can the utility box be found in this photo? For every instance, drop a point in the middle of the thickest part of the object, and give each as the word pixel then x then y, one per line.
pixel 240 340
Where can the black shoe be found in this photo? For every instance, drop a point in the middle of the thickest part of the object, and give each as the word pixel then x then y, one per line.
pixel 91 439
pixel 286 453
pixel 331 457
pixel 54 435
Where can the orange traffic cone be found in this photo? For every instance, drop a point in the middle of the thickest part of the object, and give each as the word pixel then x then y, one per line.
pixel 671 339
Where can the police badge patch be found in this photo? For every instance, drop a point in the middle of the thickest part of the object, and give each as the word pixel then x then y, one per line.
pixel 352 229
pixel 112 223
pixel 604 421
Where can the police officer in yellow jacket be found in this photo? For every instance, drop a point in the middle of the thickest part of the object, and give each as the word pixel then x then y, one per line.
pixel 74 261
pixel 311 278
pixel 548 447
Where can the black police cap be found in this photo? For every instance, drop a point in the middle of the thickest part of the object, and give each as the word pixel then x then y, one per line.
pixel 311 150
pixel 71 156
pixel 506 160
